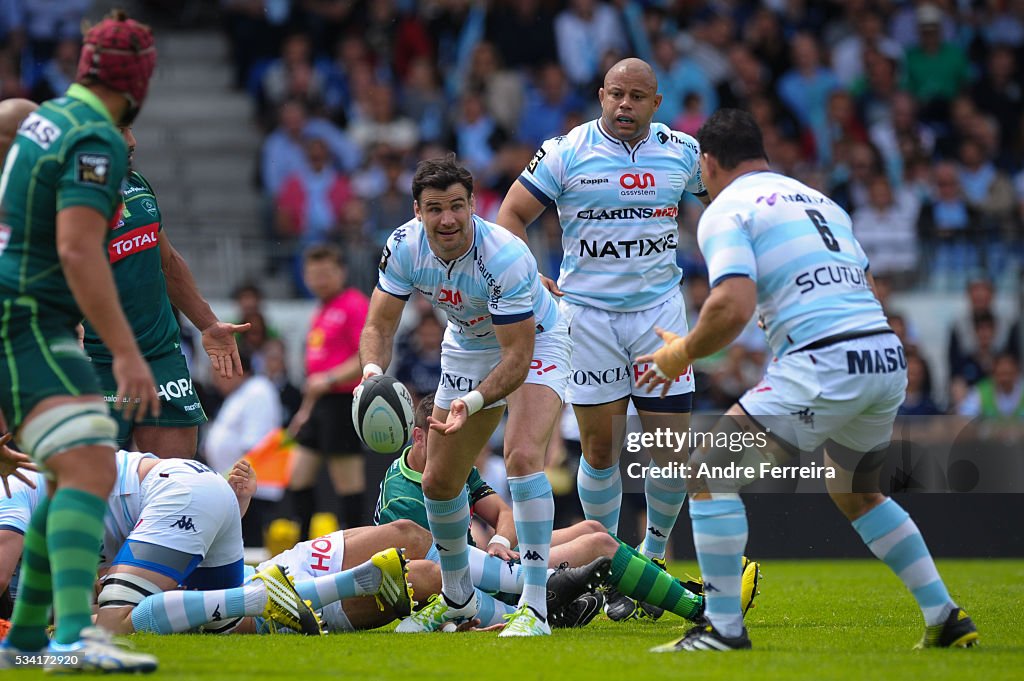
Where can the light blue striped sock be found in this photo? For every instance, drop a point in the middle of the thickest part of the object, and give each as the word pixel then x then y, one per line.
pixel 493 574
pixel 362 580
pixel 491 610
pixel 720 535
pixel 173 612
pixel 600 491
pixel 432 555
pixel 895 540
pixel 449 525
pixel 533 508
pixel 665 496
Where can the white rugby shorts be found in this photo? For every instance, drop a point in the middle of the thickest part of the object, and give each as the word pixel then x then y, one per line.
pixel 463 370
pixel 848 392
pixel 316 558
pixel 605 343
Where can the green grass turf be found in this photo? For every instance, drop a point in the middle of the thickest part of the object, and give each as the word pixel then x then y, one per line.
pixel 813 620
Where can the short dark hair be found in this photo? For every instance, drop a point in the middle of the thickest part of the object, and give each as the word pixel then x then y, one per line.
pixel 322 253
pixel 424 408
pixel 731 136
pixel 440 173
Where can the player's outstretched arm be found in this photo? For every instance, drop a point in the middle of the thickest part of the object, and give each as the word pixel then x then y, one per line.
pixel 722 318
pixel 218 337
pixel 81 234
pixel 378 336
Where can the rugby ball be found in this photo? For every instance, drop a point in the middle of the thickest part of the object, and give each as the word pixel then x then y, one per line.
pixel 382 414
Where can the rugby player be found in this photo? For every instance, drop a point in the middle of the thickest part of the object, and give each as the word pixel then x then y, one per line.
pixel 839 375
pixel 59 192
pixel 505 344
pixel 151 276
pixel 617 183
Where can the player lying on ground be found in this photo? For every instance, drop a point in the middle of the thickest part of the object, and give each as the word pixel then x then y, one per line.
pixel 838 377
pixel 631 572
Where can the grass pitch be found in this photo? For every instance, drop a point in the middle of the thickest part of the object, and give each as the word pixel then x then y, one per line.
pixel 813 620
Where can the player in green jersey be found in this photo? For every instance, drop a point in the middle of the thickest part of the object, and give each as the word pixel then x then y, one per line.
pixel 59 192
pixel 151 277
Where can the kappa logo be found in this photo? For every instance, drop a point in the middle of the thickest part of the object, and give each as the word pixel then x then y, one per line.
pixel 806 416
pixel 532 555
pixel 708 587
pixel 439 547
pixel 656 532
pixel 215 616
pixel 185 523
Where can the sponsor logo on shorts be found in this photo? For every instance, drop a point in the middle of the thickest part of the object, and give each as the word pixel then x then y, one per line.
pixel 322 550
pixel 460 383
pixel 883 361
pixel 175 389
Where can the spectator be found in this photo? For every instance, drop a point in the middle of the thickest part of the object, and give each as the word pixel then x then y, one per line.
pixel 710 48
pixel 848 54
pixel 999 398
pixel 477 135
pixel 806 87
pixel 901 123
pixel 523 31
pixel 58 72
pixel 390 205
pixel 423 100
pixel 842 125
pixel 990 193
pixel 963 341
pixel 584 31
pixel 284 153
pixel 292 75
pixel 918 401
pixel 275 368
pixel 876 88
pixel 863 163
pixel 251 410
pixel 749 77
pixel 253 28
pixel 395 38
pixel 10 79
pixel 947 223
pixel 502 89
pixel 311 200
pixel 886 228
pixel 999 93
pixel 548 104
pixel 678 77
pixel 692 116
pixel 976 365
pixel 381 124
pixel 936 69
pixel 419 366
pixel 764 35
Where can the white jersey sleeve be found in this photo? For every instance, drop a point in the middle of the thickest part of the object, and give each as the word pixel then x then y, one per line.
pixel 512 292
pixel 397 265
pixel 16 511
pixel 544 175
pixel 725 242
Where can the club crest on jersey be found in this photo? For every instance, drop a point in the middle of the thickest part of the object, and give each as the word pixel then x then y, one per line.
pixel 92 169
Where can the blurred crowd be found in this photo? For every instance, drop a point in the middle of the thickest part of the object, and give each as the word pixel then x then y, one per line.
pixel 908 113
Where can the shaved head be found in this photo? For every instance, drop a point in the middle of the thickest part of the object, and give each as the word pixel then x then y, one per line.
pixel 629 100
pixel 12 113
pixel 636 70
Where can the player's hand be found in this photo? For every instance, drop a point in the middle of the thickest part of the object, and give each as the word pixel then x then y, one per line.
pixel 11 463
pixel 219 343
pixel 318 385
pixel 242 479
pixel 136 389
pixel 458 414
pixel 551 285
pixel 671 359
pixel 474 625
pixel 499 551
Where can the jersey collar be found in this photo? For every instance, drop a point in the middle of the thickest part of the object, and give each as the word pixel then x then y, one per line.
pixel 615 140
pixel 407 471
pixel 84 94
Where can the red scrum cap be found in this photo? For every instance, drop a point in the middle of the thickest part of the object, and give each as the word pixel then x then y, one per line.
pixel 119 53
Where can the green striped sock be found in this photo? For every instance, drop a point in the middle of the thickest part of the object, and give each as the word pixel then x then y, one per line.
pixel 634 575
pixel 35 590
pixel 75 533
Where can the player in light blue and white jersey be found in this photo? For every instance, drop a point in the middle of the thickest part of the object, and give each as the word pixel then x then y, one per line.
pixel 617 183
pixel 506 342
pixel 15 515
pixel 837 378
